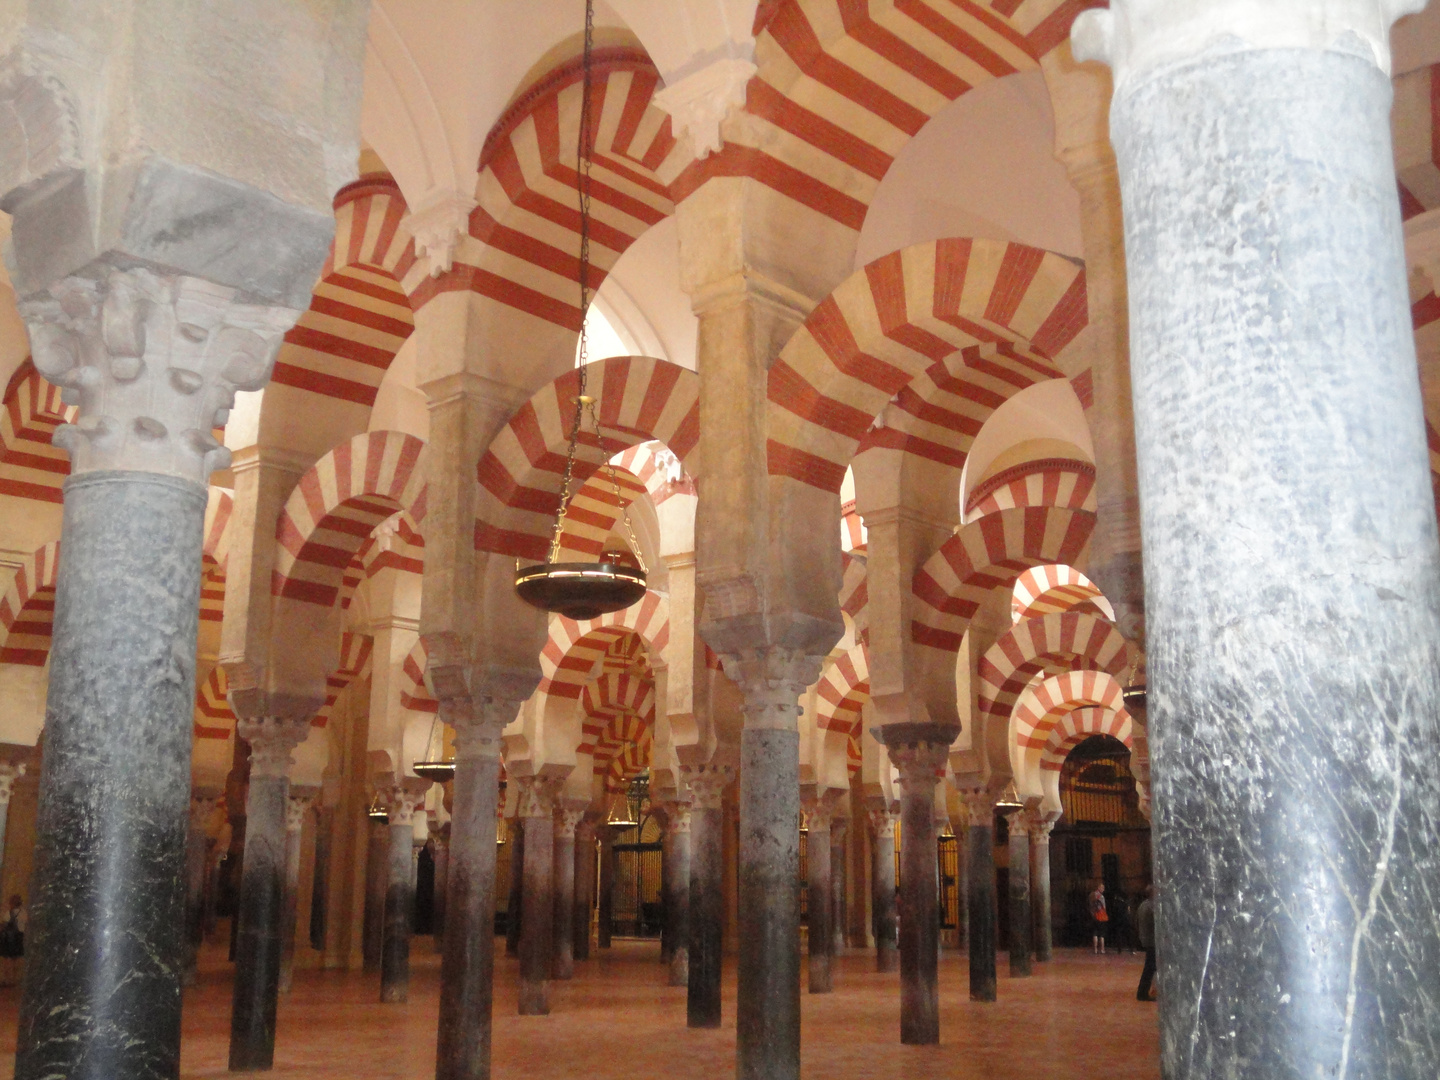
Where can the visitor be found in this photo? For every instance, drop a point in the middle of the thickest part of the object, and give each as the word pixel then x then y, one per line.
pixel 1145 925
pixel 1099 919
pixel 12 940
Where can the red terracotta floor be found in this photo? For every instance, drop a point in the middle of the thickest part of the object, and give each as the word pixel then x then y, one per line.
pixel 1075 1020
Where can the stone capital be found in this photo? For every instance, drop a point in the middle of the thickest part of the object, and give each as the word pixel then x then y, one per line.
pixel 817 808
pixel 9 773
pixel 1039 825
pixel 272 739
pixel 707 784
pixel 295 812
pixel 202 805
pixel 536 795
pixel 772 680
pixel 568 815
pixel 677 817
pixel 699 102
pixel 919 751
pixel 980 804
pixel 405 799
pixel 1142 37
pixel 882 822
pixel 438 225
pixel 153 361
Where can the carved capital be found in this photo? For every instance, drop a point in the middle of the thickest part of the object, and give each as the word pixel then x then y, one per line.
pixel 537 795
pixel 9 773
pixel 818 808
pixel 272 739
pixel 405 799
pixel 567 819
pixel 921 765
pixel 1039 826
pixel 700 101
pixel 677 818
pixel 882 822
pixel 707 784
pixel 438 224
pixel 980 804
pixel 295 812
pixel 153 362
pixel 772 680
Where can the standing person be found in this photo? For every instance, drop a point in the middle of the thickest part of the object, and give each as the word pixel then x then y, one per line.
pixel 1145 924
pixel 1099 918
pixel 12 939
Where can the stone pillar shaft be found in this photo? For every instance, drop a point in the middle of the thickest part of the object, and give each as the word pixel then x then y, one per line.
pixel 982 897
pixel 919 763
pixel 838 830
pixel 373 927
pixel 882 883
pixel 515 899
pixel 677 893
pixel 817 907
pixel 606 913
pixel 197 859
pixel 584 889
pixel 537 919
pixel 707 914
pixel 566 819
pixel 1019 878
pixel 294 826
pixel 441 854
pixel 1040 889
pixel 399 907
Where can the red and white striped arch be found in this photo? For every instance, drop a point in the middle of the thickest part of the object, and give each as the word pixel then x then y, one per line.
pixel 355 653
pixel 594 511
pixel 855 593
pixel 396 544
pixel 942 332
pixel 1047 482
pixel 1415 123
pixel 574 650
pixel 1044 590
pixel 1051 643
pixel 1069 732
pixel 989 554
pixel 217 523
pixel 213 717
pixel 842 86
pixel 1044 705
pixel 359 315
pixel 414 694
pixel 523 244
pixel 31 467
pixel 629 762
pixel 617 707
pixel 640 399
pixel 27 609
pixel 337 505
pixel 843 690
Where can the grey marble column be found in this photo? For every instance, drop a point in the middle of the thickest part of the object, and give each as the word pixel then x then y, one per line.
pixel 515 897
pixel 817 810
pixel 536 812
pixel 1291 565
pixel 606 914
pixel 467 969
pixel 707 784
pixel 919 753
pixel 294 825
pixel 440 850
pixel 839 827
pixel 1040 886
pixel 320 879
pixel 258 940
pixel 981 887
pixel 567 818
pixel 677 889
pixel 882 886
pixel 377 861
pixel 584 887
pixel 197 862
pixel 1019 879
pixel 406 799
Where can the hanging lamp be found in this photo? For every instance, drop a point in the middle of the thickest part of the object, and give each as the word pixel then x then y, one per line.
pixel 1009 800
pixel 378 812
pixel 1133 693
pixel 437 768
pixel 583 590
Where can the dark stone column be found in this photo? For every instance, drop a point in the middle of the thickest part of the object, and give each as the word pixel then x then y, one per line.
pixel 1040 885
pixel 262 889
pixel 919 752
pixel 817 869
pixel 1019 878
pixel 962 875
pixel 440 840
pixel 516 897
pixel 9 773
pixel 882 886
pixel 400 891
pixel 567 818
pixel 839 826
pixel 537 809
pixel 377 861
pixel 197 862
pixel 467 969
pixel 606 913
pixel 981 805
pixel 1291 567
pixel 294 825
pixel 707 902
pixel 584 887
pixel 677 890
pixel 320 883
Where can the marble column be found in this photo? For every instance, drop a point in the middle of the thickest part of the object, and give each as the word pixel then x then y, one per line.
pixel 259 939
pixel 839 827
pixel 942 822
pixel 981 889
pixel 707 785
pixel 440 841
pixel 1019 889
pixel 320 878
pixel 567 819
pixel 537 815
pixel 818 809
pixel 467 968
pixel 294 826
pixel 919 753
pixel 376 862
pixel 151 359
pixel 1040 885
pixel 584 887
pixel 606 902
pixel 1291 565
pixel 197 862
pixel 515 897
pixel 882 885
pixel 406 799
pixel 677 889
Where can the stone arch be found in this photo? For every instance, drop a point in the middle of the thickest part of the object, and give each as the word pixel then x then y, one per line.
pixel 1043 590
pixel 27 609
pixel 840 698
pixel 31 466
pixel 1051 643
pixel 1070 731
pixel 1064 482
pixel 213 718
pixel 574 649
pixel 354 661
pixel 414 694
pixel 1044 705
pixel 618 709
pixel 395 544
pixel 855 592
pixel 640 399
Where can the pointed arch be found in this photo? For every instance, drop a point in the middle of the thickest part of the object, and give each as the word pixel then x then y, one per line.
pixel 27 609
pixel 1051 643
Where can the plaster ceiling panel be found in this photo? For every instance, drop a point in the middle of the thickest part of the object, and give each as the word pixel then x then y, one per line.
pixel 1046 411
pixel 983 166
pixel 682 36
pixel 642 298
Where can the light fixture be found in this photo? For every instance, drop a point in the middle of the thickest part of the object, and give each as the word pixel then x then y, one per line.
pixel 1009 800
pixel 436 768
pixel 625 809
pixel 1134 696
pixel 580 590
pixel 378 812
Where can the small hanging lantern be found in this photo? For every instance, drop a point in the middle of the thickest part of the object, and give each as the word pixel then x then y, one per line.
pixel 1009 801
pixel 436 766
pixel 583 590
pixel 378 812
pixel 1134 692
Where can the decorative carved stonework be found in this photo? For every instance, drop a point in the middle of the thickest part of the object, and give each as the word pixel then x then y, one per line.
pixel 773 680
pixel 701 101
pixel 882 823
pixel 707 784
pixel 295 810
pixel 271 739
pixel 566 819
pixel 437 225
pixel 9 773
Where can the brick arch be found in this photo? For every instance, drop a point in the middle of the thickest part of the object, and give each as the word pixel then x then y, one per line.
pixel 1070 731
pixel 915 351
pixel 1044 705
pixel 618 707
pixel 337 504
pixel 355 653
pixel 574 650
pixel 855 592
pixel 1066 482
pixel 989 554
pixel 31 466
pixel 521 252
pixel 843 690
pixel 1051 643
pixel 640 400
pixel 217 522
pixel 359 315
pixel 628 763
pixel 1043 590
pixel 213 717
pixel 27 609
pixel 395 544
pixel 414 694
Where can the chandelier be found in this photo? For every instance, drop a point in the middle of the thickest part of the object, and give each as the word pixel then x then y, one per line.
pixel 436 766
pixel 583 590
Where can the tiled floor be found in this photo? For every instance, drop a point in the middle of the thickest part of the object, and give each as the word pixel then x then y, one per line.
pixel 1075 1020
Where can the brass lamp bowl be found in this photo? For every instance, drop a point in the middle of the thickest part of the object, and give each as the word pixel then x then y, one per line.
pixel 438 771
pixel 580 590
pixel 1134 696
